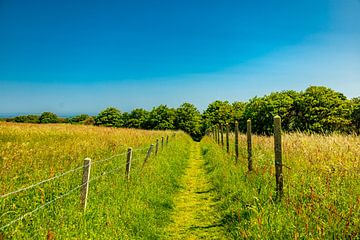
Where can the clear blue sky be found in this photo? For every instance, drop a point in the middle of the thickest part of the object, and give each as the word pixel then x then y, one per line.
pixel 82 56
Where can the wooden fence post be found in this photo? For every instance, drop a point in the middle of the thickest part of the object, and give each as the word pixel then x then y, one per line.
pixel 227 139
pixel 222 135
pixel 128 163
pixel 85 183
pixel 162 142
pixel 249 143
pixel 157 147
pixel 278 156
pixel 237 141
pixel 167 139
pixel 148 154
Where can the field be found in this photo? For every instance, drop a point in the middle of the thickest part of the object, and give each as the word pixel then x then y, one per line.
pixel 133 210
pixel 187 190
pixel 321 187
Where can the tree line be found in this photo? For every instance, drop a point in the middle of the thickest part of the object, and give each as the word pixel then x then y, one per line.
pixel 317 109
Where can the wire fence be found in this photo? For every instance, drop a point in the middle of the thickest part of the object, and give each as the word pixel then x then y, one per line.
pixel 59 197
pixel 81 186
pixel 41 182
pixel 66 173
pixel 41 207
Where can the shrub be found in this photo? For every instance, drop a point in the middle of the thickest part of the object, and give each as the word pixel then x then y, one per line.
pixel 48 117
pixel 110 117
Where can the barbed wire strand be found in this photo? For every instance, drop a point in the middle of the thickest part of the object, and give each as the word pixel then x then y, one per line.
pixel 41 182
pixel 41 207
pixel 63 174
pixel 107 159
pixel 111 171
pixel 57 198
pixel 141 149
pixel 63 195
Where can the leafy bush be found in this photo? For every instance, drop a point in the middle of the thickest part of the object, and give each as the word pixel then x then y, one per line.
pixel 136 119
pixel 355 114
pixel 27 119
pixel 89 121
pixel 78 119
pixel 48 117
pixel 188 119
pixel 262 110
pixel 321 109
pixel 161 118
pixel 110 117
pixel 218 112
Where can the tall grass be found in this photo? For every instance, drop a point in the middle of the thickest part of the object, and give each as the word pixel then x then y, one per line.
pixel 118 209
pixel 321 187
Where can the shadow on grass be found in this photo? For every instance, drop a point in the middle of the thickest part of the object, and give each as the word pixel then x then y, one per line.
pixel 207 191
pixel 206 227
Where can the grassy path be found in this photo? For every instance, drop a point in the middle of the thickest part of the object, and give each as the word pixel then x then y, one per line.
pixel 195 215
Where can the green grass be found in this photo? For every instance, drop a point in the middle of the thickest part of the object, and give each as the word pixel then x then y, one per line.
pixel 321 188
pixel 195 216
pixel 117 209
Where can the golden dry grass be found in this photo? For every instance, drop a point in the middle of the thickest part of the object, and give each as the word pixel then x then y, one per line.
pixel 321 187
pixel 32 152
pixel 117 208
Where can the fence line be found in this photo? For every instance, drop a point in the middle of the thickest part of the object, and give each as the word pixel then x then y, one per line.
pixel 73 189
pixel 109 158
pixel 106 173
pixel 66 173
pixel 277 148
pixel 42 206
pixel 42 182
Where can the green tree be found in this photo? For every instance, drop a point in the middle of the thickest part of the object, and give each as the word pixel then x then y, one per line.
pixel 188 119
pixel 137 118
pixel 161 118
pixel 110 117
pixel 238 109
pixel 261 111
pixel 218 112
pixel 27 119
pixel 48 117
pixel 321 109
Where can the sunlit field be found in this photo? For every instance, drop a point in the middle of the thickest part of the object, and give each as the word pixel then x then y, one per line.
pixel 321 187
pixel 137 208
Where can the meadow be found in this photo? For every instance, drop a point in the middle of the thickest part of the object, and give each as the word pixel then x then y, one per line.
pixel 117 208
pixel 321 187
pixel 321 184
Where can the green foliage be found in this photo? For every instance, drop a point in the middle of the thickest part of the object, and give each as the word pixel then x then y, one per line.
pixel 262 110
pixel 238 111
pixel 188 119
pixel 161 118
pixel 355 114
pixel 27 119
pixel 48 117
pixel 78 119
pixel 110 117
pixel 317 109
pixel 321 109
pixel 89 121
pixel 137 118
pixel 218 112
